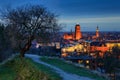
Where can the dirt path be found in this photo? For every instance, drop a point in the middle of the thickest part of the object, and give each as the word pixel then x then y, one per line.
pixel 63 74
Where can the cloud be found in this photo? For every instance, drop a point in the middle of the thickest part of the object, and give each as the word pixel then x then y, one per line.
pixel 91 20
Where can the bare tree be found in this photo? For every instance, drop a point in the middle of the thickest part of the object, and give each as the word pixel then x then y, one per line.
pixel 29 22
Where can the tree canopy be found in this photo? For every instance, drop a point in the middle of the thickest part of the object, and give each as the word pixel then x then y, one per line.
pixel 29 22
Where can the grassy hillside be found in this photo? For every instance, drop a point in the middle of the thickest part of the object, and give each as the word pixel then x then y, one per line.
pixel 26 69
pixel 71 68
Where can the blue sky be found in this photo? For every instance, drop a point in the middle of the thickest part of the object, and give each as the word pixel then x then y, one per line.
pixel 88 13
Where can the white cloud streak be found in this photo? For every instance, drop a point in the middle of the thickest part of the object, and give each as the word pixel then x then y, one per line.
pixel 91 20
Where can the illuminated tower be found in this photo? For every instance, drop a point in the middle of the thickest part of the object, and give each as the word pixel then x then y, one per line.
pixel 97 32
pixel 78 34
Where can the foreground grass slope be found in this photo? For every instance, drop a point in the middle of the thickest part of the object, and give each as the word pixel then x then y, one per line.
pixel 26 69
pixel 71 68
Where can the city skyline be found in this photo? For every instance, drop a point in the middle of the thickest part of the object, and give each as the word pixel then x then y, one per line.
pixel 89 14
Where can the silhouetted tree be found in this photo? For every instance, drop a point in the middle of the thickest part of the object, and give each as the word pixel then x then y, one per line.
pixel 30 22
pixel 116 51
pixel 1 35
pixel 1 40
pixel 111 62
pixel 4 43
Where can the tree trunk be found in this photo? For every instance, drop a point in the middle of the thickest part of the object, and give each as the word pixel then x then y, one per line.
pixel 22 52
pixel 26 47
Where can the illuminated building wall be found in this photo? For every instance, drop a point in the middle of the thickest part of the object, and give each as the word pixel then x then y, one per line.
pixel 111 45
pixel 74 36
pixel 99 48
pixel 77 47
pixel 92 48
pixel 78 34
pixel 67 36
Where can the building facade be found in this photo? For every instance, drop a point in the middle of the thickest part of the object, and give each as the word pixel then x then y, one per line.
pixel 74 36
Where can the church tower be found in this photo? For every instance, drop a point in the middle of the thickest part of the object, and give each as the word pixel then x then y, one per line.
pixel 97 32
pixel 78 34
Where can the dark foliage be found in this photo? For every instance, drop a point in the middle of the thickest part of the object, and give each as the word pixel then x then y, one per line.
pixel 5 49
pixel 29 22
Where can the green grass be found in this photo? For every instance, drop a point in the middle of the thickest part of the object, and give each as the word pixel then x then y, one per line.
pixel 7 73
pixel 71 68
pixel 48 71
pixel 26 69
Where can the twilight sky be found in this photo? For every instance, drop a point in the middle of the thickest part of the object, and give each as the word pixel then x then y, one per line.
pixel 88 13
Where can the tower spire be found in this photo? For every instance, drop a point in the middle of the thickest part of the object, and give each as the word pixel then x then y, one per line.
pixel 97 28
pixel 97 32
pixel 71 30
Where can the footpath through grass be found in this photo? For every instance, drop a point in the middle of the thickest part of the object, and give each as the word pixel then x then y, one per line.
pixel 26 69
pixel 71 68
